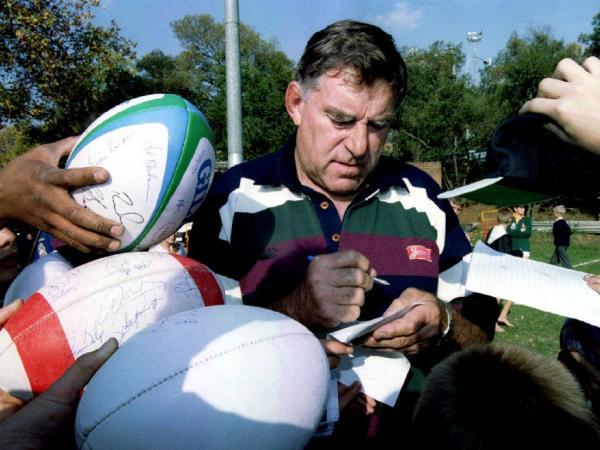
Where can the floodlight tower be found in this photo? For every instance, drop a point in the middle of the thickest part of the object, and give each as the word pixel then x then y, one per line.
pixel 474 37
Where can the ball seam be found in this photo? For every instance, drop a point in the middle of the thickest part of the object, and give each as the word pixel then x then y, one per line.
pixel 184 370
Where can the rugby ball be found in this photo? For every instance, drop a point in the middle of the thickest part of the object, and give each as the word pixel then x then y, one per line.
pixel 226 377
pixel 116 296
pixel 159 152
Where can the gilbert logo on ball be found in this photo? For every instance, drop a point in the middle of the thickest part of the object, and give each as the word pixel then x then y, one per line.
pixel 159 152
pixel 116 296
pixel 225 377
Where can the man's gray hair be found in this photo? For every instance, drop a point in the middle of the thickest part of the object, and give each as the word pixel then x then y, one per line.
pixel 367 50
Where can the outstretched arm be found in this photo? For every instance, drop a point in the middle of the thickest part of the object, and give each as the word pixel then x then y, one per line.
pixel 34 190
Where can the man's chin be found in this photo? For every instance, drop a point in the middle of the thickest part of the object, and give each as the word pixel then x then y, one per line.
pixel 346 188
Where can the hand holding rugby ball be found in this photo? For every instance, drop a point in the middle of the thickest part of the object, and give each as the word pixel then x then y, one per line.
pixel 159 152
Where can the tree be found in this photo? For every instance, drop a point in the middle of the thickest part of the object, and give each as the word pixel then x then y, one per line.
pixel 58 70
pixel 443 115
pixel 265 72
pixel 165 73
pixel 518 69
pixel 592 40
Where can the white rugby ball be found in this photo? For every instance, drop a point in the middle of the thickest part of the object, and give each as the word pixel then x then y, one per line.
pixel 159 152
pixel 116 296
pixel 227 377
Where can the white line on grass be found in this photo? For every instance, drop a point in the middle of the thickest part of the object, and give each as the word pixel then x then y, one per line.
pixel 587 262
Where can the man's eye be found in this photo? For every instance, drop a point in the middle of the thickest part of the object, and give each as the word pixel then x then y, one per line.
pixel 378 125
pixel 341 123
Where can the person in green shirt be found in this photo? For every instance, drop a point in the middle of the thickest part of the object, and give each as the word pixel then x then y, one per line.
pixel 519 229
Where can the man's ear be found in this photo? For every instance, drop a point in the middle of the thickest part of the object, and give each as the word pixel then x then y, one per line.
pixel 294 102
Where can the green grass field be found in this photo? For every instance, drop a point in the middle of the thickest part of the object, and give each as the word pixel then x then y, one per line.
pixel 538 330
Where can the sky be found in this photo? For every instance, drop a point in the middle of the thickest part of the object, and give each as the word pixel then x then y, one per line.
pixel 412 23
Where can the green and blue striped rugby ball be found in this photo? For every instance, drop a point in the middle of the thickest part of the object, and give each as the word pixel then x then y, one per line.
pixel 159 152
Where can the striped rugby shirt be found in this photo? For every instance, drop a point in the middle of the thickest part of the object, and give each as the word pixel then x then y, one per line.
pixel 258 225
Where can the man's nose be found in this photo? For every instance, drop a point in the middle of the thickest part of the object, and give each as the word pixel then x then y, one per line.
pixel 357 142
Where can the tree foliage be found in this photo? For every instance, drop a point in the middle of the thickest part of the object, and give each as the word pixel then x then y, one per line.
pixel 592 40
pixel 265 73
pixel 57 69
pixel 443 115
pixel 518 69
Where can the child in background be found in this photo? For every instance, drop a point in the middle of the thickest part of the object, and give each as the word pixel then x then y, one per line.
pixel 562 236
pixel 501 241
pixel 519 230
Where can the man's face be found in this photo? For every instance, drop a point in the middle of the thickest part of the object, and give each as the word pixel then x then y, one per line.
pixel 456 207
pixel 341 128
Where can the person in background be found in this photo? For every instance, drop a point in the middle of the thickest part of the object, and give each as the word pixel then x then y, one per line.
pixel 562 236
pixel 501 241
pixel 458 205
pixel 519 229
pixel 498 237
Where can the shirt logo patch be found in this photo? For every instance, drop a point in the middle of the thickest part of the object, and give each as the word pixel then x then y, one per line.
pixel 418 252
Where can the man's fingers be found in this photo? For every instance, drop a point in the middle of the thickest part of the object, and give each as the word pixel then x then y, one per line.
pixel 68 387
pixel 333 347
pixel 593 282
pixel 551 88
pixel 353 277
pixel 592 65
pixel 39 420
pixel 568 70
pixel 558 131
pixel 9 405
pixel 345 259
pixel 345 314
pixel 72 235
pixel 347 394
pixel 63 147
pixel 81 228
pixel 73 178
pixel 539 105
pixel 346 296
pixel 6 312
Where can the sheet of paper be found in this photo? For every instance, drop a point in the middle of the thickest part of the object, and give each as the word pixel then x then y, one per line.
pixel 357 329
pixel 382 374
pixel 451 282
pixel 531 283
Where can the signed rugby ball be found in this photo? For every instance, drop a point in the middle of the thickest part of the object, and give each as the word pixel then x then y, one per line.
pixel 159 152
pixel 226 377
pixel 116 296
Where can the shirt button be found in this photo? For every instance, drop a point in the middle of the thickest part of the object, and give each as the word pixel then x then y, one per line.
pixel 335 237
pixel 324 205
